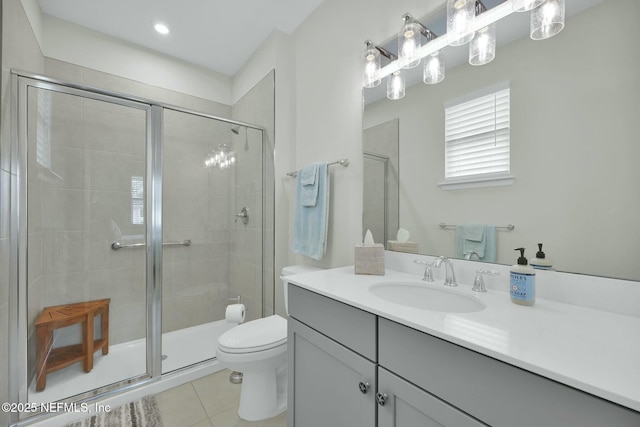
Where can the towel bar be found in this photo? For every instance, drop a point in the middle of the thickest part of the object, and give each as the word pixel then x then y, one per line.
pixel 505 227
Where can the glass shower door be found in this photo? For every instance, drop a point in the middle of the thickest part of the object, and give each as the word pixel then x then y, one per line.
pixel 212 169
pixel 86 288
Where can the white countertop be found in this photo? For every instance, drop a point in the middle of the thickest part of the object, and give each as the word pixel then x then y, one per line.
pixel 594 351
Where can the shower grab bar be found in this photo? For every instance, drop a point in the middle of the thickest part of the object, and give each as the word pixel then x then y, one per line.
pixel 341 162
pixel 117 245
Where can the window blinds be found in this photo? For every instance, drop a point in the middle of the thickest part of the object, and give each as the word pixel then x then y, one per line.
pixel 477 136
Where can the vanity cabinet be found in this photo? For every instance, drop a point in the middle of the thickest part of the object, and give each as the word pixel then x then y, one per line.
pixel 335 350
pixel 331 380
pixel 402 404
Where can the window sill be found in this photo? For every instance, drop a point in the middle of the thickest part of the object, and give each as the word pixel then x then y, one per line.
pixel 477 182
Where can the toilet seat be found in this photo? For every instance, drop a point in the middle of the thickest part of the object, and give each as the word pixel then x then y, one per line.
pixel 256 335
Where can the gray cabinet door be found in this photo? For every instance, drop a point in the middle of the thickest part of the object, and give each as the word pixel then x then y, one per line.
pixel 405 405
pixel 324 382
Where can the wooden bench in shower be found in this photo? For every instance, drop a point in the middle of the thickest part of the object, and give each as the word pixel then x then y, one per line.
pixel 49 359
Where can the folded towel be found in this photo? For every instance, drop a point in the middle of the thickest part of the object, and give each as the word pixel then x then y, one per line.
pixel 474 232
pixel 308 178
pixel 467 241
pixel 311 222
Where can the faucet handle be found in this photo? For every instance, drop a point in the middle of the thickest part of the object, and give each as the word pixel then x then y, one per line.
pixel 428 273
pixel 478 283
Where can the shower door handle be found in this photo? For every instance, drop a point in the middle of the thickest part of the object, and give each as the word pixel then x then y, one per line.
pixel 244 214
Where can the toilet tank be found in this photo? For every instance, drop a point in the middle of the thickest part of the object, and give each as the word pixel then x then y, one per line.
pixel 288 271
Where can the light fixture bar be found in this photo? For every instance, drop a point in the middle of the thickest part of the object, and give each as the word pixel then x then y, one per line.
pixel 484 19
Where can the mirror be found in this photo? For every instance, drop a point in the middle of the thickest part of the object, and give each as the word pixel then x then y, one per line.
pixel 574 146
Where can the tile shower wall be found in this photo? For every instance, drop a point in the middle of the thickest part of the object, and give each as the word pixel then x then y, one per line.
pixel 197 205
pixel 83 158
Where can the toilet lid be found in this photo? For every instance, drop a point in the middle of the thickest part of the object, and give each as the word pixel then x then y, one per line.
pixel 256 335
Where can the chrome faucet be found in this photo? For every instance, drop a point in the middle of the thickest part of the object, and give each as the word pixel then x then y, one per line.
pixel 450 275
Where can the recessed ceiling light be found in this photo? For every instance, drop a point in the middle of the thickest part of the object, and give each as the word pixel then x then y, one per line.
pixel 161 28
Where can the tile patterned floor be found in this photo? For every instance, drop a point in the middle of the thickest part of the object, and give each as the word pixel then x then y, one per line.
pixel 211 401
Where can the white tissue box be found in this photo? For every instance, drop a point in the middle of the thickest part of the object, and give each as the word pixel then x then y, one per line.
pixel 369 259
pixel 409 247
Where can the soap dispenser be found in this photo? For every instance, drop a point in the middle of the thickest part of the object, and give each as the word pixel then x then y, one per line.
pixel 540 262
pixel 522 283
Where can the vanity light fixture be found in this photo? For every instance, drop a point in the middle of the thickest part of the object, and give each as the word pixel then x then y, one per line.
pixel 525 5
pixel 371 62
pixel 410 41
pixel 547 20
pixel 433 71
pixel 395 85
pixel 482 48
pixel 161 28
pixel 461 15
pixel 371 59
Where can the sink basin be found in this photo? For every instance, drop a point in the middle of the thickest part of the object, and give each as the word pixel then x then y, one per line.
pixel 426 297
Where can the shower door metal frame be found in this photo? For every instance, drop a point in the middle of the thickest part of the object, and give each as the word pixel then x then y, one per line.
pixel 385 162
pixel 18 317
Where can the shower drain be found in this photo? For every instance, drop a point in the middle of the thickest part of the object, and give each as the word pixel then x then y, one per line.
pixel 164 357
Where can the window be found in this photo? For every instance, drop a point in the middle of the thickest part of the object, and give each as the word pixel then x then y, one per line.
pixel 477 139
pixel 137 200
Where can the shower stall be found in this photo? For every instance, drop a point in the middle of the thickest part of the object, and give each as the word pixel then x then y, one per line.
pixel 153 211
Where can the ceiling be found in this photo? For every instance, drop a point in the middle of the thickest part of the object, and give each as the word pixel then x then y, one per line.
pixel 216 34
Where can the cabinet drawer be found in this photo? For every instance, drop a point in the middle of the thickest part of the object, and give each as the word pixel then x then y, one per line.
pixel 350 326
pixel 495 392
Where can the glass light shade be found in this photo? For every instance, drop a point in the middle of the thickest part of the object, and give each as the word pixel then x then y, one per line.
pixel 547 20
pixel 482 49
pixel 433 69
pixel 461 15
pixel 525 5
pixel 371 63
pixel 395 85
pixel 409 42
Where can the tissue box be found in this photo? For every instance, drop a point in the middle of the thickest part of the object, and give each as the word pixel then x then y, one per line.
pixel 370 259
pixel 409 247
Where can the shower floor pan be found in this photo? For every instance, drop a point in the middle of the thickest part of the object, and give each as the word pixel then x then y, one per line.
pixel 180 348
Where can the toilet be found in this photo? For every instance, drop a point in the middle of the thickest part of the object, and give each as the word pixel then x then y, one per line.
pixel 258 349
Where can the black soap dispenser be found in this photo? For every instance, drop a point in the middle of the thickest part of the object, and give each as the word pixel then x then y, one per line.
pixel 541 262
pixel 522 282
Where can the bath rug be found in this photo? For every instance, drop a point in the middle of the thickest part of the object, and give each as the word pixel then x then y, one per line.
pixel 139 413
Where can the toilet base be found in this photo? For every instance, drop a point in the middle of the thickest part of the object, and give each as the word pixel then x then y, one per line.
pixel 263 394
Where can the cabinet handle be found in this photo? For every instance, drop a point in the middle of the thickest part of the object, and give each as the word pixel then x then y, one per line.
pixel 381 398
pixel 364 387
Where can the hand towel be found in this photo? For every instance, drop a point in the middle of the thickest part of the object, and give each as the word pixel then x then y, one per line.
pixel 467 240
pixel 311 222
pixel 308 178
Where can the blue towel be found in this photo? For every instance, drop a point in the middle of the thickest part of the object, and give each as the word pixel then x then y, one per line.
pixel 308 177
pixel 311 222
pixel 478 238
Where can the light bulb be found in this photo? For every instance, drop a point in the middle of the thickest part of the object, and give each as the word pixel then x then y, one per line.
pixel 433 71
pixel 461 15
pixel 371 63
pixel 409 42
pixel 547 20
pixel 482 49
pixel 395 86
